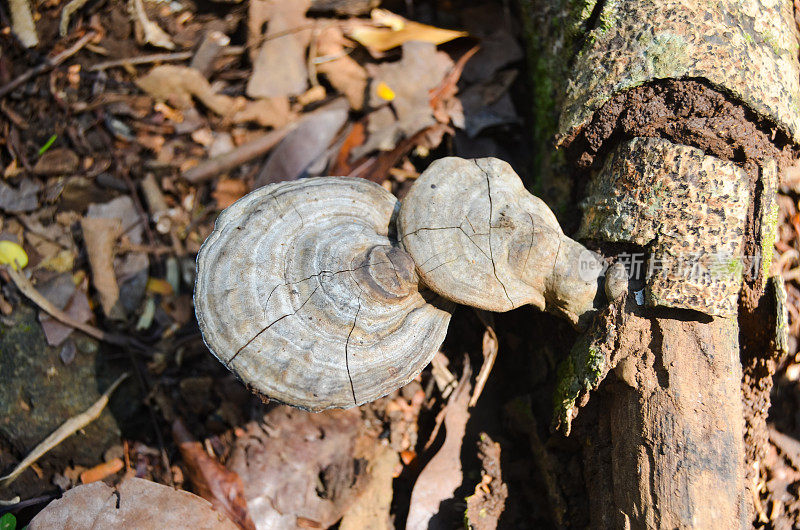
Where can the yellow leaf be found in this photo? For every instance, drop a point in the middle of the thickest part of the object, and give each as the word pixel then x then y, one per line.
pixel 158 286
pixel 62 261
pixel 12 254
pixel 385 38
pixel 384 91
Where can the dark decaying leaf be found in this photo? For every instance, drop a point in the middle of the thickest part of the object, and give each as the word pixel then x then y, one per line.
pixel 23 198
pixel 211 480
pixel 300 468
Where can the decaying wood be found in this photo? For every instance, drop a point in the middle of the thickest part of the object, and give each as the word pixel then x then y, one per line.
pixel 722 78
pixel 748 49
pixel 669 451
pixel 687 208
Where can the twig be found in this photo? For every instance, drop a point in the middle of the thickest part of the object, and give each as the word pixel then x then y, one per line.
pixel 159 58
pixel 67 429
pixel 244 153
pixel 47 64
pixel 142 59
pixel 66 13
pixel 490 349
pixel 26 288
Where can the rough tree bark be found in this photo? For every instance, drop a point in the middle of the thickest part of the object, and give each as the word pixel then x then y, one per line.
pixel 678 118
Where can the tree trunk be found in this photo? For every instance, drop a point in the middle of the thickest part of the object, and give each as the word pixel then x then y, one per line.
pixel 679 116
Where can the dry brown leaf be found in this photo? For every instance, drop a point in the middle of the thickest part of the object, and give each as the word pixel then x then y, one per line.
pixel 397 31
pixel 99 235
pixel 299 465
pixel 23 198
pixel 178 84
pixel 221 487
pixel 59 161
pixel 148 32
pixel 421 69
pixel 343 72
pixel 443 474
pixel 268 112
pixel 279 68
pixel 76 307
pixel 229 191
pixel 305 145
pixel 135 503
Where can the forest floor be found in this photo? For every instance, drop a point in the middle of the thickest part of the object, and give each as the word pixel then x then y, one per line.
pixel 111 132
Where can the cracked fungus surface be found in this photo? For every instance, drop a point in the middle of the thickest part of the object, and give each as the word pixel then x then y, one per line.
pixel 747 48
pixel 688 209
pixel 477 236
pixel 286 295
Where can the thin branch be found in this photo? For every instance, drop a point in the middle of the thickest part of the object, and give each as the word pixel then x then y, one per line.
pixel 26 287
pixel 142 59
pixel 67 429
pixel 244 153
pixel 47 64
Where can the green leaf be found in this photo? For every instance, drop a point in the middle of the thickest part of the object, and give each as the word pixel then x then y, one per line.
pixel 8 522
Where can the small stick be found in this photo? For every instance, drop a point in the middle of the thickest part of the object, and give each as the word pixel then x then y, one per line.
pixel 26 288
pixel 66 13
pixel 67 429
pixel 244 153
pixel 159 58
pixel 47 64
pixel 142 59
pixel 490 349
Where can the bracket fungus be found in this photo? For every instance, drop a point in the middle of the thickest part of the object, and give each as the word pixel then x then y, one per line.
pixel 303 294
pixel 479 238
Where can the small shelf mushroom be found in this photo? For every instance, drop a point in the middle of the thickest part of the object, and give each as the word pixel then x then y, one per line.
pixel 302 293
pixel 479 238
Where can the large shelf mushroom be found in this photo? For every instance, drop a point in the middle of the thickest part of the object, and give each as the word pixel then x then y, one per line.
pixel 302 294
pixel 305 293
